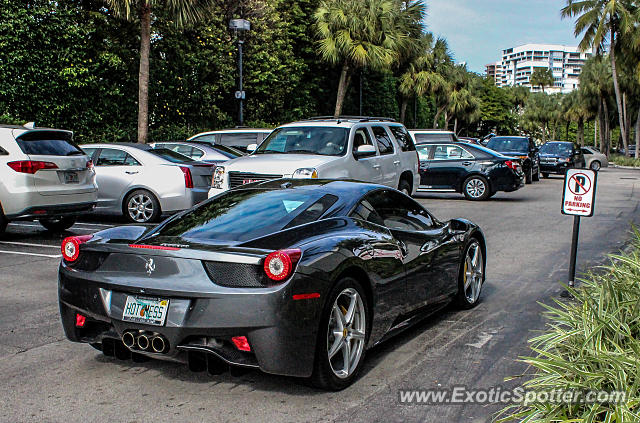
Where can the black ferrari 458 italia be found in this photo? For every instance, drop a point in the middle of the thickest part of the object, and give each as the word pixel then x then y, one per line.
pixel 293 277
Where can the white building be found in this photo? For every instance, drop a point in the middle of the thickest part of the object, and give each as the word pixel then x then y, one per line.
pixel 518 64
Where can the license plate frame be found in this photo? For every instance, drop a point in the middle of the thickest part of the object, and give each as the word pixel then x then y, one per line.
pixel 71 177
pixel 134 305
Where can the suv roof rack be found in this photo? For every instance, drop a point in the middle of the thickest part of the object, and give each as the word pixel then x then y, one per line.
pixel 357 118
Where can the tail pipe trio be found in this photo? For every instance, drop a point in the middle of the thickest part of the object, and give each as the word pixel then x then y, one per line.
pixel 144 341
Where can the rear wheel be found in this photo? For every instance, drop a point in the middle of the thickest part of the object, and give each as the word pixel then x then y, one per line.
pixel 342 337
pixel 595 165
pixel 58 224
pixel 141 206
pixel 471 276
pixel 404 187
pixel 529 177
pixel 536 176
pixel 476 188
pixel 3 221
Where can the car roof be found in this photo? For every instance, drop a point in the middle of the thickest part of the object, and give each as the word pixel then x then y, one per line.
pixel 559 142
pixel 233 131
pixel 200 145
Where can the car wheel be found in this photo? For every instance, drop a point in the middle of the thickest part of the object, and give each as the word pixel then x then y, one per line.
pixel 476 188
pixel 59 224
pixel 595 165
pixel 529 177
pixel 545 175
pixel 344 329
pixel 3 221
pixel 141 206
pixel 471 276
pixel 536 176
pixel 404 187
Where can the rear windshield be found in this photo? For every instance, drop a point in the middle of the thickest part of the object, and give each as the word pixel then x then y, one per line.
pixel 229 152
pixel 444 137
pixel 517 145
pixel 170 155
pixel 241 215
pixel 48 143
pixel 241 139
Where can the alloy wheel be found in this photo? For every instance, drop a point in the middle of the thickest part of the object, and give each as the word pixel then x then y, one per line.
pixel 346 333
pixel 140 208
pixel 473 269
pixel 595 165
pixel 475 188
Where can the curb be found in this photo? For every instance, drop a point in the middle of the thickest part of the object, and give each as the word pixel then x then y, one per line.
pixel 624 167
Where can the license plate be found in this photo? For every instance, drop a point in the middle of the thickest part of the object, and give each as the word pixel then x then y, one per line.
pixel 151 311
pixel 71 178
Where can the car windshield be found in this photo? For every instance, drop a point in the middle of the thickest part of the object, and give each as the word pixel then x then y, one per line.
pixel 48 143
pixel 557 148
pixel 503 144
pixel 240 215
pixel 321 140
pixel 170 155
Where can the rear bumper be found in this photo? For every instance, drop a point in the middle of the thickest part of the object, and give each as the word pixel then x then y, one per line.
pixel 51 211
pixel 281 332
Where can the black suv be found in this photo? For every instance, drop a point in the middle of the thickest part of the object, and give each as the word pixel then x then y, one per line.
pixel 558 156
pixel 472 170
pixel 523 148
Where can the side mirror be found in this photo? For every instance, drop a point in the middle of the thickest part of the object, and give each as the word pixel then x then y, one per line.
pixel 251 148
pixel 364 151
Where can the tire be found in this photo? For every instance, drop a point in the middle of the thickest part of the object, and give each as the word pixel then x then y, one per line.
pixel 331 373
pixel 595 165
pixel 471 276
pixel 59 224
pixel 545 175
pixel 404 187
pixel 476 188
pixel 529 177
pixel 141 206
pixel 536 176
pixel 3 221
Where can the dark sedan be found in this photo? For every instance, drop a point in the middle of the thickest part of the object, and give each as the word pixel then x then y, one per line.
pixel 294 277
pixel 523 148
pixel 473 170
pixel 558 156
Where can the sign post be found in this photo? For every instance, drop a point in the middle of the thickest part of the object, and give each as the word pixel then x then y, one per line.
pixel 578 200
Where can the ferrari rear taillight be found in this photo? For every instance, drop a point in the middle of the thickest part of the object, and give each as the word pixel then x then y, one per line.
pixel 80 320
pixel 71 246
pixel 279 265
pixel 188 180
pixel 31 166
pixel 241 343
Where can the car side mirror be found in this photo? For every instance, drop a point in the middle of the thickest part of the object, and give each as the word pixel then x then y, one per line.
pixel 364 151
pixel 252 147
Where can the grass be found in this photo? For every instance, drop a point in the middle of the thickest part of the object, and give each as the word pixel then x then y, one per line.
pixel 621 160
pixel 591 343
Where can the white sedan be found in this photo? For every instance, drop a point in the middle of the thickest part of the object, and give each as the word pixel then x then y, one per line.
pixel 593 158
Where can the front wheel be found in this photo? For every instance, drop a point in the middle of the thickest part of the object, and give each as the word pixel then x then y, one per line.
pixel 59 224
pixel 476 188
pixel 595 165
pixel 471 276
pixel 342 337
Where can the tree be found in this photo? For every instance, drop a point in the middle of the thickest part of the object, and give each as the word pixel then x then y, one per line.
pixel 184 12
pixel 541 77
pixel 597 19
pixel 365 33
pixel 596 83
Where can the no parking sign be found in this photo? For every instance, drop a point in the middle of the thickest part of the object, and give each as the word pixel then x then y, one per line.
pixel 579 197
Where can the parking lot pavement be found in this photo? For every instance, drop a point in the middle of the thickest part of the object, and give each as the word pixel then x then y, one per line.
pixel 46 378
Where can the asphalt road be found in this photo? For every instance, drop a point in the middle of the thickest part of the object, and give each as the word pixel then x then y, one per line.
pixel 46 378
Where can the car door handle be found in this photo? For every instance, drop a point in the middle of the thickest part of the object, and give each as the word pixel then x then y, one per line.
pixel 466 163
pixel 131 172
pixel 375 166
pixel 396 162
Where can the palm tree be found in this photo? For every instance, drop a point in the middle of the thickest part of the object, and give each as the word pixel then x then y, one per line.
pixel 575 109
pixel 371 33
pixel 184 12
pixel 541 77
pixel 595 83
pixel 597 19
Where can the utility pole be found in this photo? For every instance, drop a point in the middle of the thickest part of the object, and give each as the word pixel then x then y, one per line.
pixel 239 27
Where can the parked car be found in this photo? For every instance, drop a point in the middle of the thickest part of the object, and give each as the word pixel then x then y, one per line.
pixel 469 140
pixel 432 135
pixel 199 151
pixel 594 159
pixel 291 277
pixel 473 170
pixel 632 150
pixel 364 149
pixel 141 182
pixel 238 138
pixel 44 176
pixel 523 148
pixel 558 156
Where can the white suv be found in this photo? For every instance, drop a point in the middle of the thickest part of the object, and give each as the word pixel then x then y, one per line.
pixel 44 176
pixel 365 149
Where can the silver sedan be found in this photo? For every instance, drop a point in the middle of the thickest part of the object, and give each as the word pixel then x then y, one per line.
pixel 142 183
pixel 593 158
pixel 199 151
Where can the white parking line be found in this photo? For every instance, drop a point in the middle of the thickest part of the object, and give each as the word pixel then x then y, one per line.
pixel 31 254
pixel 28 244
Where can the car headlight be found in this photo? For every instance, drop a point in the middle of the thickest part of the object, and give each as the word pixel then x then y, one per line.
pixel 218 177
pixel 306 173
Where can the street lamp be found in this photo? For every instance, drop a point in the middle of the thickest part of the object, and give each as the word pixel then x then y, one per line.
pixel 239 27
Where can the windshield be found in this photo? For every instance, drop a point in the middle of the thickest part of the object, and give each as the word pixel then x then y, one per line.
pixel 240 215
pixel 322 140
pixel 557 148
pixel 516 145
pixel 48 143
pixel 170 155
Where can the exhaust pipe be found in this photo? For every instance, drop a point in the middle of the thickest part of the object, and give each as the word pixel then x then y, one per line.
pixel 158 344
pixel 128 339
pixel 143 341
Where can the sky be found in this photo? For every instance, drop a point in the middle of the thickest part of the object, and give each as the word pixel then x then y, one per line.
pixel 478 30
